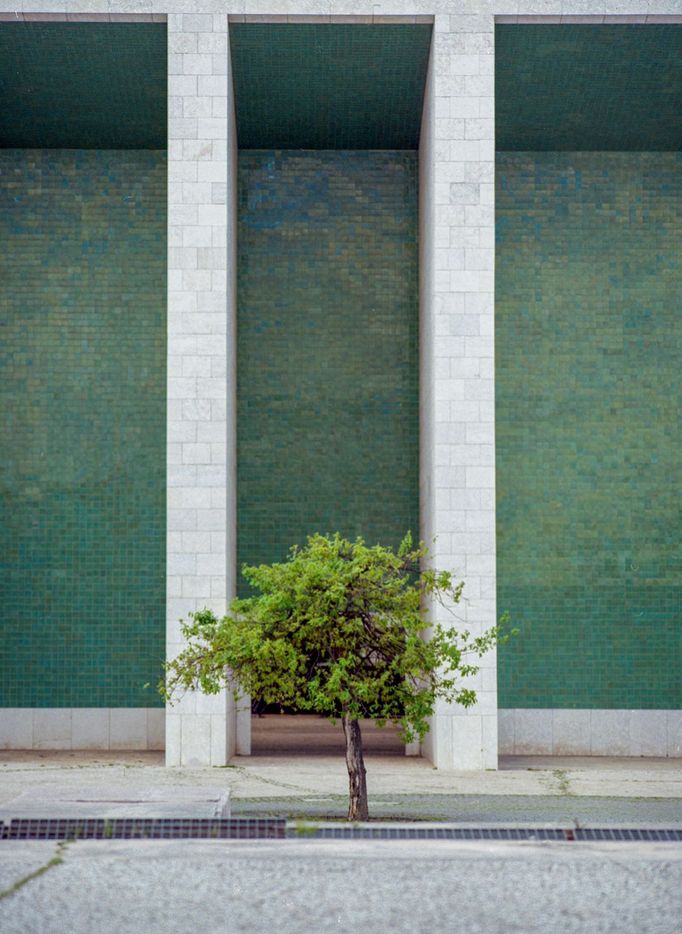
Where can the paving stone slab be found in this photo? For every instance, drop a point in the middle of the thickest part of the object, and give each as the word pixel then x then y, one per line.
pixel 125 800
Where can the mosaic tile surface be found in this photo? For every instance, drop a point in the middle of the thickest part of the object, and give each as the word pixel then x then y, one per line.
pixel 588 428
pixel 83 85
pixel 581 87
pixel 311 86
pixel 82 427
pixel 327 348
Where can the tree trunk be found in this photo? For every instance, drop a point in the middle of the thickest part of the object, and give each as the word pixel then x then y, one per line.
pixel 357 780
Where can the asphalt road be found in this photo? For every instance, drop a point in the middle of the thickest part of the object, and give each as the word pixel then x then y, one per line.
pixel 281 887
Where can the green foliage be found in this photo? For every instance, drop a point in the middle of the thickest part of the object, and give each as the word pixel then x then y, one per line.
pixel 338 628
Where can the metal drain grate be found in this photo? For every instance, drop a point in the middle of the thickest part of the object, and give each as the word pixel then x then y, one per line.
pixel 343 832
pixel 654 835
pixel 257 828
pixel 236 828
pixel 482 833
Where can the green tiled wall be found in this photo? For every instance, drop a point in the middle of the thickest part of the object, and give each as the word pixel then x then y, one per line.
pixel 588 428
pixel 329 86
pixel 83 85
pixel 615 86
pixel 327 348
pixel 82 426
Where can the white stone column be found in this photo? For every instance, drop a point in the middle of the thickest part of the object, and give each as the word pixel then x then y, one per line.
pixel 200 730
pixel 457 166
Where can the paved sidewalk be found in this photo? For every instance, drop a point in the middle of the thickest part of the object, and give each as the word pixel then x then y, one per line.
pixel 523 789
pixel 272 776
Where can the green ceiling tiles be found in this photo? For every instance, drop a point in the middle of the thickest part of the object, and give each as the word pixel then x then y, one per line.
pixel 83 85
pixel 581 87
pixel 327 86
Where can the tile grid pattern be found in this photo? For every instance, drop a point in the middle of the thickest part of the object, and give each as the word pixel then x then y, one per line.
pixel 82 476
pixel 327 349
pixel 58 74
pixel 373 74
pixel 587 410
pixel 200 729
pixel 628 81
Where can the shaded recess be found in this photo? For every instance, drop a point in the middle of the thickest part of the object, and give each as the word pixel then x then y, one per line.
pixel 327 86
pixel 82 364
pixel 83 85
pixel 577 87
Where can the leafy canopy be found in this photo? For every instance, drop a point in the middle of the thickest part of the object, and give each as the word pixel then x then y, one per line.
pixel 337 629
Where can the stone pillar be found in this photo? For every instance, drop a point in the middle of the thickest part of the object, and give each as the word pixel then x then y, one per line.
pixel 457 167
pixel 200 730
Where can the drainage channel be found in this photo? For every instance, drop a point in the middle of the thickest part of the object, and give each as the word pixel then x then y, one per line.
pixel 256 828
pixel 145 828
pixel 569 834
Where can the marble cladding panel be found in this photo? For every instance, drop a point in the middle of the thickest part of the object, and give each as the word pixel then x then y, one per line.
pixel 201 442
pixel 563 732
pixel 82 463
pixel 327 348
pixel 123 728
pixel 588 337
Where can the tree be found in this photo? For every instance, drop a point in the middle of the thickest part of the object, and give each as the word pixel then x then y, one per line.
pixel 338 629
